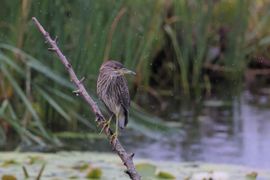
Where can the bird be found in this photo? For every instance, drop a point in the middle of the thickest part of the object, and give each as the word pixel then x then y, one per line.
pixel 112 89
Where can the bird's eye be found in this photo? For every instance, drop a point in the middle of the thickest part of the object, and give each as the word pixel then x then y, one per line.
pixel 115 68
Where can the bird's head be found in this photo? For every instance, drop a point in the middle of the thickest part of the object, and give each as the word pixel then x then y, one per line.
pixel 115 68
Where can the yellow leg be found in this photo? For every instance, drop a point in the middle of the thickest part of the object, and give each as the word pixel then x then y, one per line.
pixel 115 135
pixel 116 128
pixel 107 124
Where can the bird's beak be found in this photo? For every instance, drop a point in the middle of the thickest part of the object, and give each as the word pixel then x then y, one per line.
pixel 126 71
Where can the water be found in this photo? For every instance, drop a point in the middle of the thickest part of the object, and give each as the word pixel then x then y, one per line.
pixel 236 134
pixel 228 129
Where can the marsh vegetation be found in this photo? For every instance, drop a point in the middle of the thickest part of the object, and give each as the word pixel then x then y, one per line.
pixel 197 62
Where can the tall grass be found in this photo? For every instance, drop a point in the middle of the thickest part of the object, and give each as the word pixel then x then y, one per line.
pixel 84 37
pixel 36 93
pixel 194 32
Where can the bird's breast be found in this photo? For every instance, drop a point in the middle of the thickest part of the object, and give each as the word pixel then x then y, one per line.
pixel 107 92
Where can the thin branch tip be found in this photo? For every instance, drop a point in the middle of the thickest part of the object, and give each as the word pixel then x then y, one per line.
pixel 55 39
pixel 132 155
pixel 51 49
pixel 83 78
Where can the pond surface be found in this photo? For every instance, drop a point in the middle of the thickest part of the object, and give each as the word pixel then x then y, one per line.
pixel 227 129
pixel 235 131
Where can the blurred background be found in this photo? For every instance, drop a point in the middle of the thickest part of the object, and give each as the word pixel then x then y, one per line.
pixel 202 87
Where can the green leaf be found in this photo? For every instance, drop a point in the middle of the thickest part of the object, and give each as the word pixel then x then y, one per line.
pixel 83 120
pixel 146 170
pixel 61 94
pixel 265 41
pixel 2 136
pixel 54 104
pixel 11 63
pixel 25 101
pixel 94 173
pixel 165 175
pixel 252 175
pixel 9 162
pixel 152 122
pixel 75 135
pixel 8 177
pixel 38 66
pixel 13 121
pixel 3 107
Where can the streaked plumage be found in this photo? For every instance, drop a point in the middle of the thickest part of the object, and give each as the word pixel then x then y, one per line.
pixel 112 89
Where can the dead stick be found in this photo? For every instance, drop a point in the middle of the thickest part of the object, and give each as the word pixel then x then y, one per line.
pixel 126 158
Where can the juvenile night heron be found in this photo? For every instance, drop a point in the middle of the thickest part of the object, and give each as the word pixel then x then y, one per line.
pixel 112 89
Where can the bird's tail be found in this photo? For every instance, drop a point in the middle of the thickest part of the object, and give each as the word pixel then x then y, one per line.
pixel 123 119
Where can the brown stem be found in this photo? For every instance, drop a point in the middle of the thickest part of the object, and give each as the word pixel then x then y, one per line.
pixel 126 158
pixel 110 36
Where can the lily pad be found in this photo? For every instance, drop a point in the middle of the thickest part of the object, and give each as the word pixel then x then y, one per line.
pixel 94 173
pixel 8 177
pixel 8 162
pixel 77 165
pixel 252 176
pixel 146 170
pixel 82 166
pixel 35 159
pixel 165 175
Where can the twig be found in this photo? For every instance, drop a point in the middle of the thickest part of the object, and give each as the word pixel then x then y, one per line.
pixel 40 172
pixel 25 172
pixel 126 158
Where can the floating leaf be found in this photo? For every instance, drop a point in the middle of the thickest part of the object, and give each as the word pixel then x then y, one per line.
pixel 165 175
pixel 73 177
pixel 146 169
pixel 8 177
pixel 8 163
pixel 94 173
pixel 35 159
pixel 81 166
pixel 252 176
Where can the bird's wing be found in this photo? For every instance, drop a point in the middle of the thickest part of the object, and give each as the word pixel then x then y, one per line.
pixel 123 92
pixel 123 100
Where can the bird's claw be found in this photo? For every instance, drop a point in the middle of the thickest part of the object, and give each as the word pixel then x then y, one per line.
pixel 99 117
pixel 106 125
pixel 114 136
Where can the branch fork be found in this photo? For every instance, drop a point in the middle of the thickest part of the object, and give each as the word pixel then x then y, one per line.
pixel 126 158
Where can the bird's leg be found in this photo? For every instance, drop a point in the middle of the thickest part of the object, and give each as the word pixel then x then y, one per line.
pixel 106 124
pixel 116 128
pixel 115 135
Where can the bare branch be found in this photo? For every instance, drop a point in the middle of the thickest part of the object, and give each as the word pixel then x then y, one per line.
pixel 126 158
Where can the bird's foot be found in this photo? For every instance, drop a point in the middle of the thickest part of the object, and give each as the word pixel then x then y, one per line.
pixel 105 125
pixel 99 117
pixel 114 136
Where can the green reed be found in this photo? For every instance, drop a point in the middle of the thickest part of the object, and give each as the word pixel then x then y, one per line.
pixel 38 92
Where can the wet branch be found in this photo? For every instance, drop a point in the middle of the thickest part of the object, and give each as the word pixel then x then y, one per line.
pixel 126 158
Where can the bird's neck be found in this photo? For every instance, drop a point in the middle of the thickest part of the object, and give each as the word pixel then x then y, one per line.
pixel 108 81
